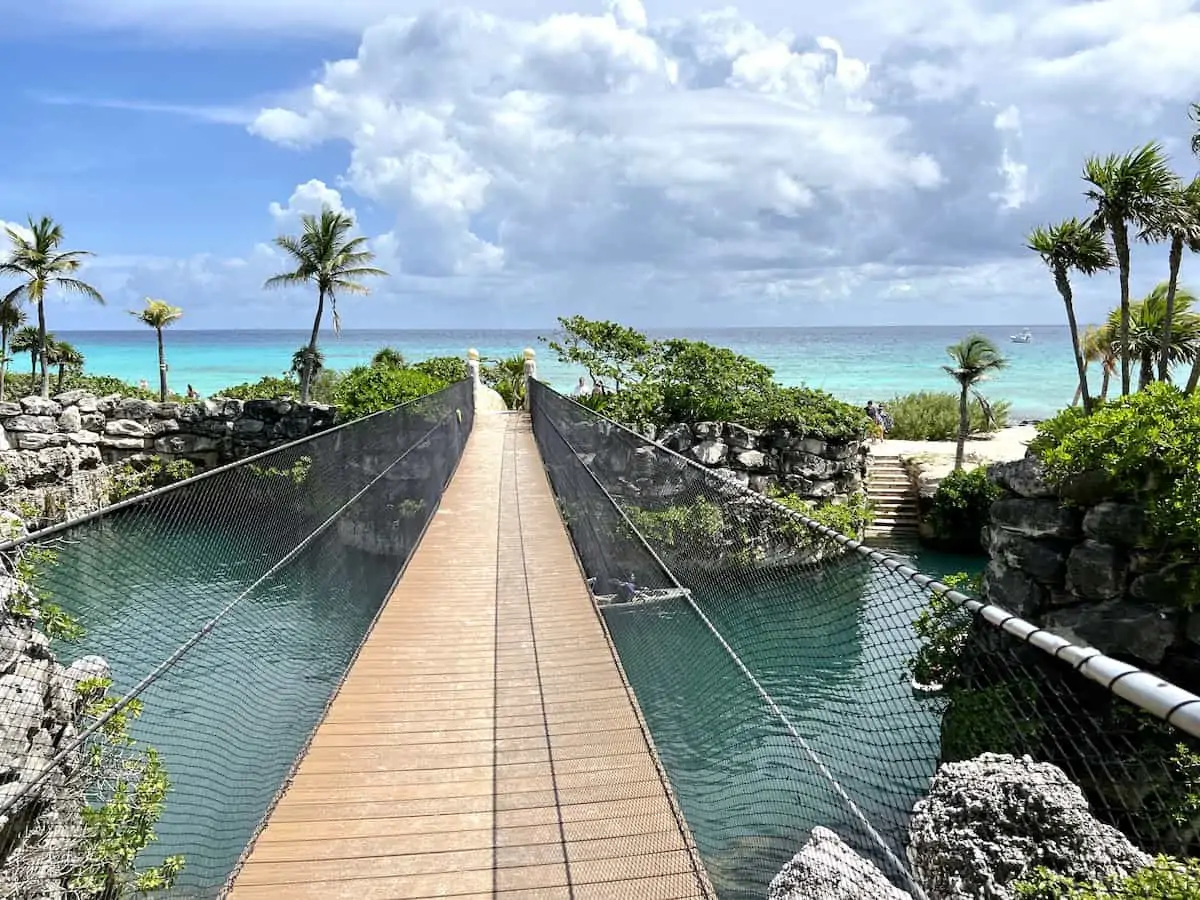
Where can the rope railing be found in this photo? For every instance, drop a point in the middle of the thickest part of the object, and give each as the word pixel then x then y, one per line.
pixel 219 615
pixel 857 675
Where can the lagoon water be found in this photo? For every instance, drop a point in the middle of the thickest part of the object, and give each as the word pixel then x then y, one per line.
pixel 855 364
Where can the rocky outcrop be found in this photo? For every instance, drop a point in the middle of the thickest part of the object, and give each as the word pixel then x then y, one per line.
pixel 807 466
pixel 827 869
pixel 53 452
pixel 40 711
pixel 990 821
pixel 1076 560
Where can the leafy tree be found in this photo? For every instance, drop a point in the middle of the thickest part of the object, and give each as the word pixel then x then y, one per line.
pixel 1177 223
pixel 268 387
pixel 325 255
pixel 700 382
pixel 445 368
pixel 507 376
pixel 1130 188
pixel 12 317
pixel 42 265
pixel 973 359
pixel 1146 317
pixel 301 357
pixel 607 350
pixel 63 355
pixel 26 340
pixel 370 389
pixel 158 314
pixel 1071 246
pixel 388 357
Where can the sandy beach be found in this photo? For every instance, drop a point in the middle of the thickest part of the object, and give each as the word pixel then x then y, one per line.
pixel 1006 444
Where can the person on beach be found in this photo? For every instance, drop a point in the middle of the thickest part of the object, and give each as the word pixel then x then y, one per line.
pixel 885 419
pixel 144 385
pixel 581 388
pixel 191 394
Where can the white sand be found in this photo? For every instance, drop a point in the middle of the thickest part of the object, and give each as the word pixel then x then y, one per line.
pixel 1006 444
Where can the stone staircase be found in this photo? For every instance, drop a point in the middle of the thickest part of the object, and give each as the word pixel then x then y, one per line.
pixel 894 498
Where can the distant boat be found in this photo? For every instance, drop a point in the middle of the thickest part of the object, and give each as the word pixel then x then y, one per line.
pixel 1023 338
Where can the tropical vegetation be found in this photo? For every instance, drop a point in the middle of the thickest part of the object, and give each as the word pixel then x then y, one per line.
pixel 973 360
pixel 158 314
pixel 326 256
pixel 41 265
pixel 934 416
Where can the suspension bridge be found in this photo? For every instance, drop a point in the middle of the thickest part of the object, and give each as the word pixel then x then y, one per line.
pixel 452 650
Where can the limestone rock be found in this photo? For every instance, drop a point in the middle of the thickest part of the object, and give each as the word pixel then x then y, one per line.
pixel 740 437
pixel 710 452
pixel 69 398
pixel 1118 627
pixel 28 422
pixel 123 443
pixel 707 430
pixel 1024 477
pixel 989 821
pixel 133 408
pixel 1041 560
pixel 1036 518
pixel 40 406
pixel 827 869
pixel 1013 590
pixel 1115 523
pixel 87 404
pixel 676 437
pixel 751 459
pixel 125 428
pixel 8 409
pixel 70 419
pixel 1096 570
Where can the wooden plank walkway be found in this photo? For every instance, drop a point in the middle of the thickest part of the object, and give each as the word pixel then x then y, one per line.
pixel 484 743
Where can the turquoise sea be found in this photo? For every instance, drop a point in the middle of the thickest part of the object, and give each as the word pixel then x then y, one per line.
pixel 854 363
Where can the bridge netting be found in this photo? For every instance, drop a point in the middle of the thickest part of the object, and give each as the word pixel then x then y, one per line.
pixel 216 618
pixel 793 678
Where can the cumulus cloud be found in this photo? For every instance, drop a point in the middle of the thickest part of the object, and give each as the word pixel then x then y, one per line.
pixel 784 156
pixel 15 227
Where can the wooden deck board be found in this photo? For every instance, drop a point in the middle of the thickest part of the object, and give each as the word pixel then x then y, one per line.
pixel 484 743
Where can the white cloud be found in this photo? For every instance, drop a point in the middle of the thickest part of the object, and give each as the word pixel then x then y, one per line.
pixel 17 228
pixel 768 164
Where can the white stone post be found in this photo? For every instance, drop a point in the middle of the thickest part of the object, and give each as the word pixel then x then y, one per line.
pixel 530 372
pixel 473 366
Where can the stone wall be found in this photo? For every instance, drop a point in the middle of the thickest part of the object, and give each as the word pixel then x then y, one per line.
pixel 54 452
pixel 809 467
pixel 1076 561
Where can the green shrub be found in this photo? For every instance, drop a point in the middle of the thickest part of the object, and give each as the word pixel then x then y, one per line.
pixel 444 368
pixel 388 358
pixel 20 385
pixel 696 525
pixel 959 509
pixel 370 389
pixel 848 517
pixel 942 627
pixel 135 477
pixel 1166 878
pixel 1147 444
pixel 269 387
pixel 933 416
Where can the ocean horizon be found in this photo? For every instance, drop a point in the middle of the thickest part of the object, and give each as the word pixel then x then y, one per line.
pixel 855 364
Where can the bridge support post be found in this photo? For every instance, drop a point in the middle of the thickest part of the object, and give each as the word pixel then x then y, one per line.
pixel 473 366
pixel 530 372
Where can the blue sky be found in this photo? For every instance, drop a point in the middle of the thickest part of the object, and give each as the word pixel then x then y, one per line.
pixel 665 164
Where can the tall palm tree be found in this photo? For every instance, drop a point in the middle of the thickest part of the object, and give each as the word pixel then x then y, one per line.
pixel 12 317
pixel 1194 115
pixel 158 314
pixel 1177 223
pixel 26 340
pixel 64 355
pixel 1128 188
pixel 1146 321
pixel 325 255
pixel 1069 246
pixel 1097 347
pixel 43 265
pixel 973 359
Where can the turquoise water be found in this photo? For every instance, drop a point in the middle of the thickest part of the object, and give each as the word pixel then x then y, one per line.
pixel 829 647
pixel 856 364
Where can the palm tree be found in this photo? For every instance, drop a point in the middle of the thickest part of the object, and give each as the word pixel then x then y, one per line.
pixel 63 355
pixel 1072 245
pixel 325 255
pixel 26 340
pixel 388 358
pixel 1178 223
pixel 12 317
pixel 43 265
pixel 158 314
pixel 1097 347
pixel 300 357
pixel 974 358
pixel 1128 188
pixel 1194 115
pixel 1146 321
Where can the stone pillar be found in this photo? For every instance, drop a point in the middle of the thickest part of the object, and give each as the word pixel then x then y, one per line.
pixel 530 372
pixel 473 366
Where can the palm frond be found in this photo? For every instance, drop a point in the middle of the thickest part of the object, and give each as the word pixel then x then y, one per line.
pixel 80 287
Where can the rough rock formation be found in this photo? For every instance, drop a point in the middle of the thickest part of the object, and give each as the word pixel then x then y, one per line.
pixel 827 869
pixel 807 466
pixel 989 821
pixel 39 713
pixel 53 453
